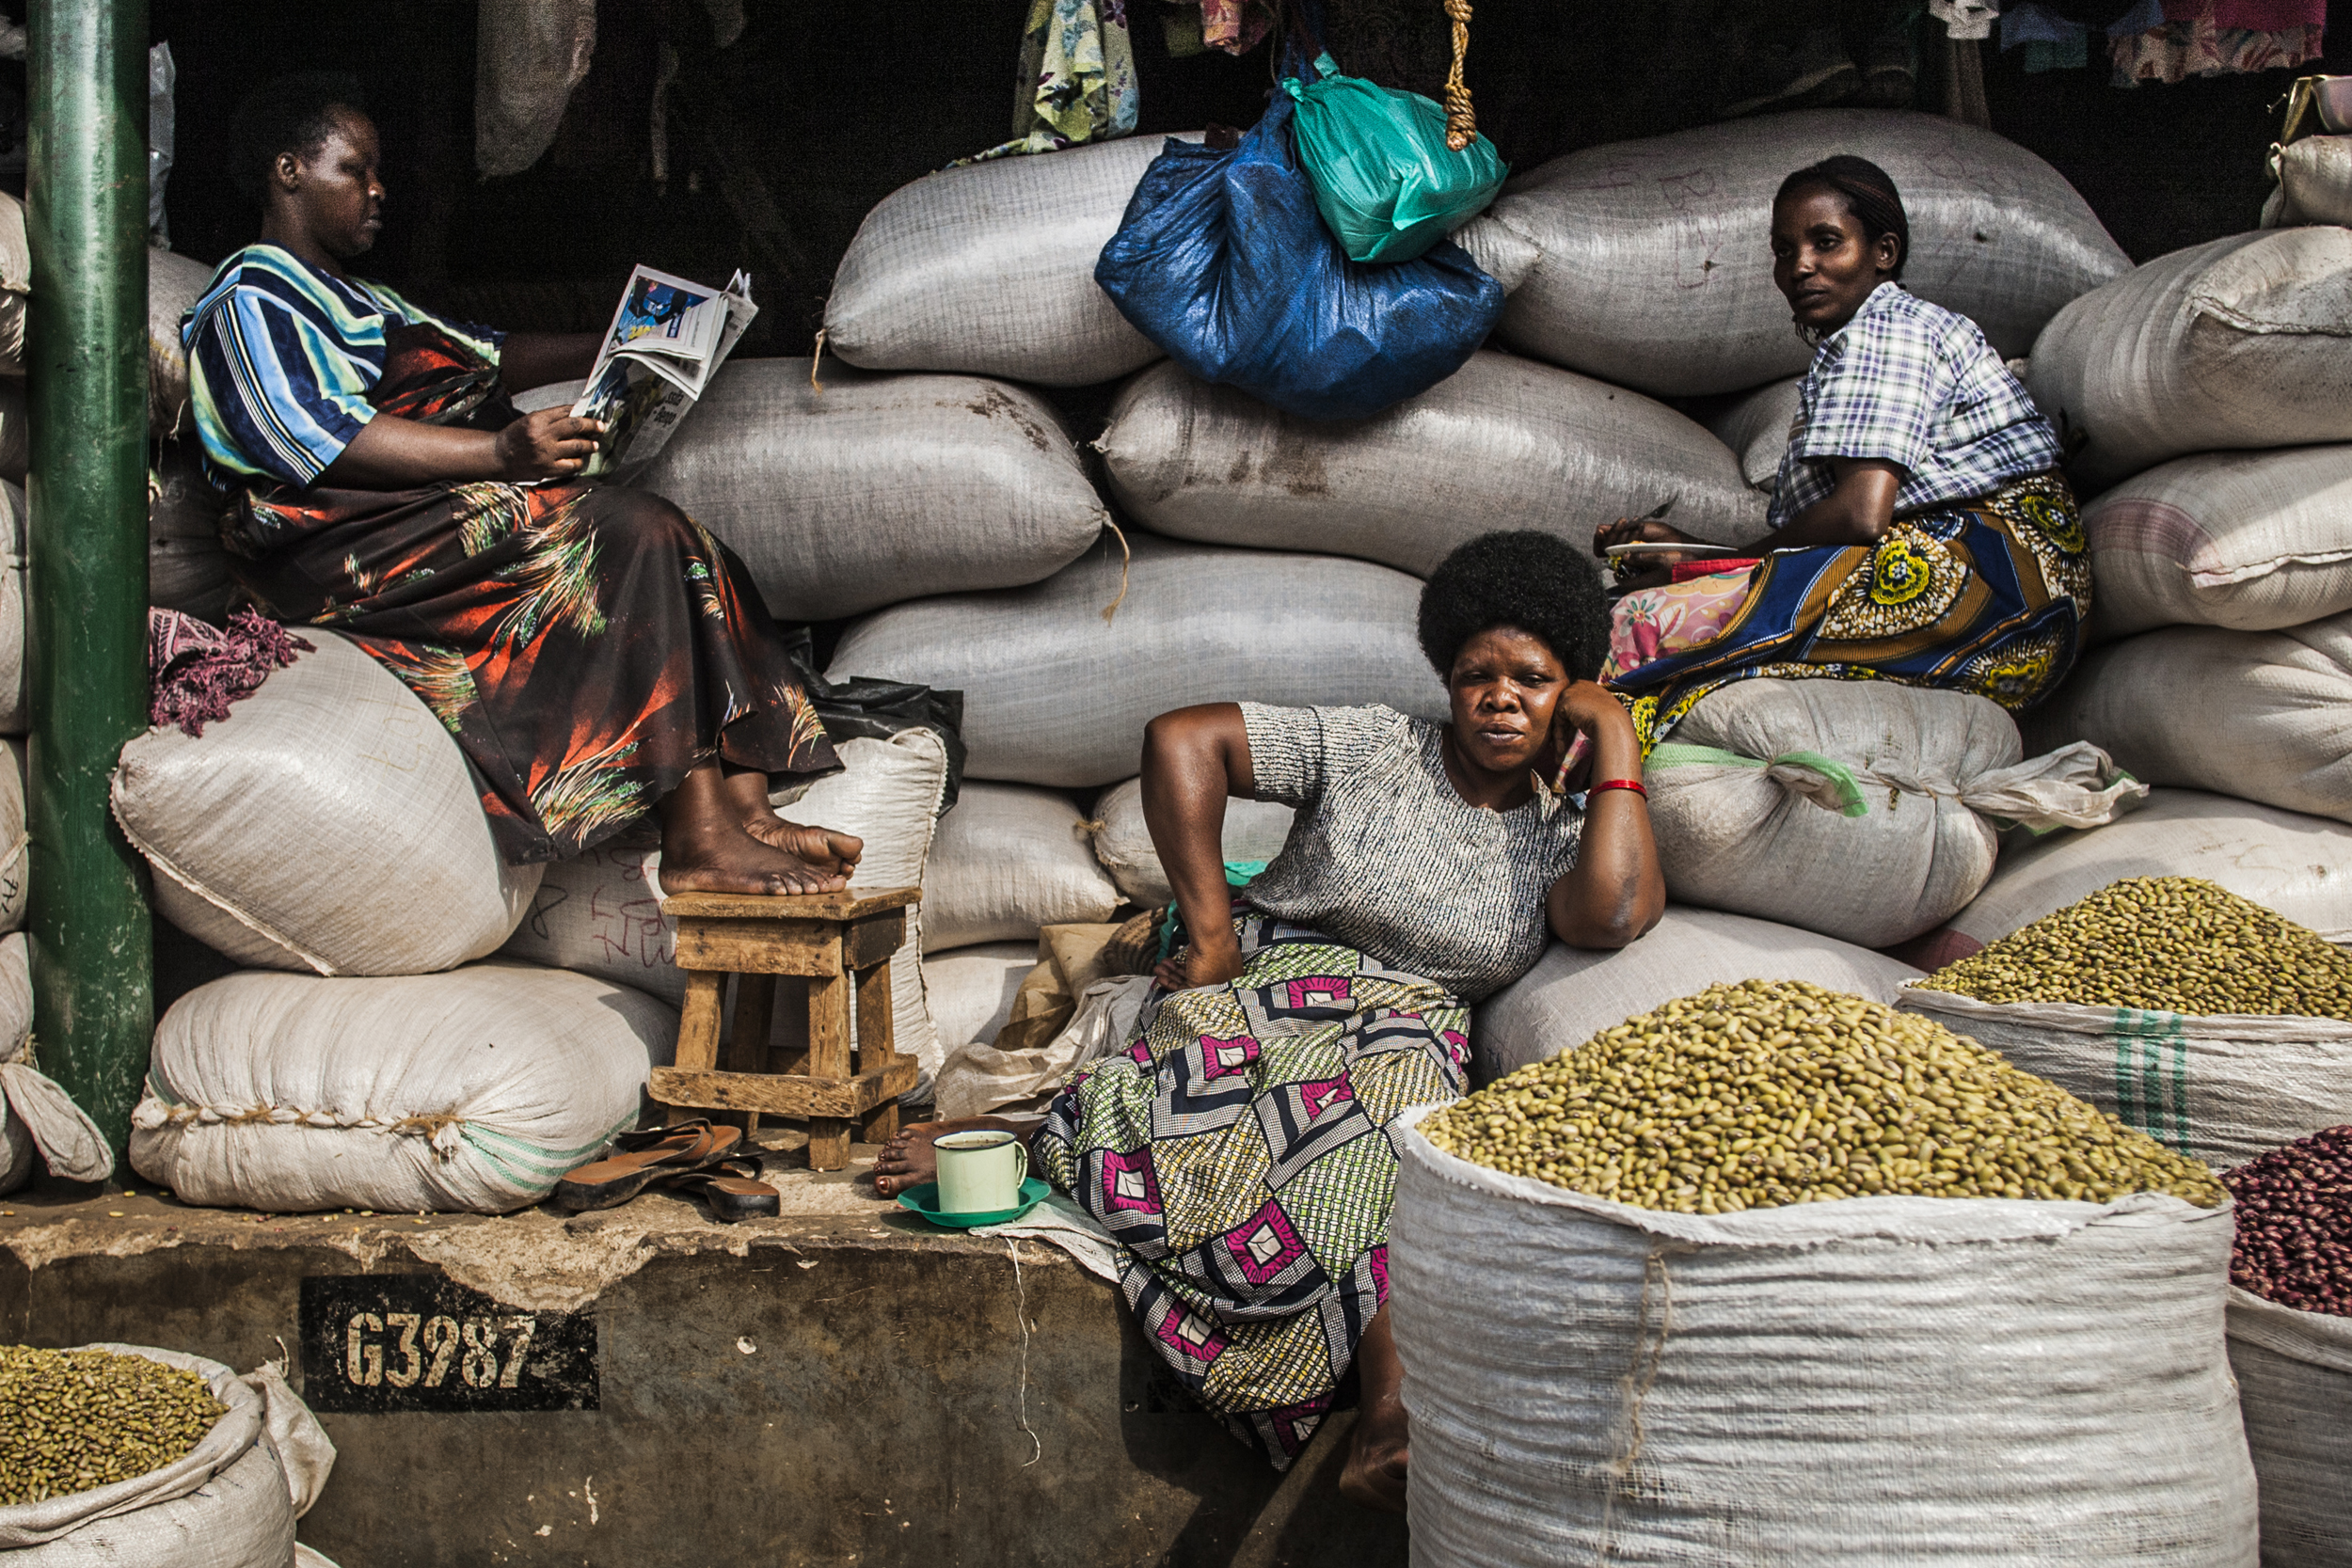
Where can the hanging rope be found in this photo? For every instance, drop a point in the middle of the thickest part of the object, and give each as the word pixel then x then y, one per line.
pixel 1461 120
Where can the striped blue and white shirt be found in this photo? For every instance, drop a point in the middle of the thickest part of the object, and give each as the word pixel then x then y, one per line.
pixel 1911 383
pixel 281 358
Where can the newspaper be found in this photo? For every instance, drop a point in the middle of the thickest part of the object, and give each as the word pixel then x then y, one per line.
pixel 668 337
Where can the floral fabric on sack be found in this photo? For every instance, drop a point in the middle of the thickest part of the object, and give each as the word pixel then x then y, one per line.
pixel 1077 78
pixel 1238 1151
pixel 2170 40
pixel 1651 622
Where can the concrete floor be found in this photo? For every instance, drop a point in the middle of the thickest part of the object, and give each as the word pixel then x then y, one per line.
pixel 841 1385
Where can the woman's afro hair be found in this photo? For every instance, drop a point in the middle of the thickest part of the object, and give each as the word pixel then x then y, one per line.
pixel 287 114
pixel 1537 582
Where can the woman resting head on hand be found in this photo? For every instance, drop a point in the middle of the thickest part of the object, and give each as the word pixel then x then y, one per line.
pixel 1428 865
pixel 593 650
pixel 1921 530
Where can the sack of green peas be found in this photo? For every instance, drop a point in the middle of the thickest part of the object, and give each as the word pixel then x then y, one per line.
pixel 1777 1274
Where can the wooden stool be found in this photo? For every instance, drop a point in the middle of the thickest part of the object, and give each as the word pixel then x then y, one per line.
pixel 832 943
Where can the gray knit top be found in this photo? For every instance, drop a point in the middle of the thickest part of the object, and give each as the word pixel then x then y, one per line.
pixel 1387 857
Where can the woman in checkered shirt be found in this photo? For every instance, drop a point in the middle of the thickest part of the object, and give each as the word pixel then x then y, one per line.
pixel 1923 534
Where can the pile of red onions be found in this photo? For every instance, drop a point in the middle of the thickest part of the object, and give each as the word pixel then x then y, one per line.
pixel 2295 1223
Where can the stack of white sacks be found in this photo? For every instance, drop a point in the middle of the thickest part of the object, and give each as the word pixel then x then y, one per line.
pixel 924 490
pixel 1279 559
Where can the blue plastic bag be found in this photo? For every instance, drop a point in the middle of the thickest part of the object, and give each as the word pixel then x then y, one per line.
pixel 1385 180
pixel 1223 262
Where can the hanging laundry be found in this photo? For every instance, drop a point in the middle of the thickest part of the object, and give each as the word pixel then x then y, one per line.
pixel 1965 19
pixel 2170 40
pixel 2051 42
pixel 1077 79
pixel 1237 26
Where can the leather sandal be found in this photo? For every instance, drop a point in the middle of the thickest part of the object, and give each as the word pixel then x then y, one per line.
pixel 734 1197
pixel 647 1153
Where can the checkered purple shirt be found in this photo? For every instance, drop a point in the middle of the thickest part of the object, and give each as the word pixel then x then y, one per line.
pixel 1911 383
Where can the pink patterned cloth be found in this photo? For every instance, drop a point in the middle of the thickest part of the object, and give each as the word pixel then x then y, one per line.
pixel 2212 37
pixel 1651 622
pixel 196 670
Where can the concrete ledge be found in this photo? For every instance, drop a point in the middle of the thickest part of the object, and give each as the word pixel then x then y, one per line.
pixel 841 1385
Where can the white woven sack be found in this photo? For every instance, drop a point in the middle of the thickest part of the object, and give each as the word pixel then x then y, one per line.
pixel 329 823
pixel 187 569
pixel 989 269
pixel 1859 808
pixel 1872 1382
pixel 15 841
pixel 1657 274
pixel 467 1092
pixel 41 1121
pixel 230 1503
pixel 174 283
pixel 879 488
pixel 1055 693
pixel 971 989
pixel 2315 174
pixel 1502 443
pixel 1574 993
pixel 2223 1087
pixel 2295 1386
pixel 530 55
pixel 2298 865
pixel 16 284
pixel 16 716
pixel 2262 715
pixel 2245 341
pixel 600 912
pixel 1007 861
pixel 1755 427
pixel 1254 831
pixel 2250 541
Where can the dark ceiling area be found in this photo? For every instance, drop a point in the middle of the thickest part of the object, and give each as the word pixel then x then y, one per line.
pixel 780 143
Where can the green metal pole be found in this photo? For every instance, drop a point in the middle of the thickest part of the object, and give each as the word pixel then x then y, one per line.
pixel 86 338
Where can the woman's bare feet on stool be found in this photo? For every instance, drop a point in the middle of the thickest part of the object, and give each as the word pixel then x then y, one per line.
pixel 1379 1450
pixel 908 1160
pixel 705 847
pixel 828 852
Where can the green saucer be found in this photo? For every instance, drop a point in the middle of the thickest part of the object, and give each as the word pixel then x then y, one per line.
pixel 925 1198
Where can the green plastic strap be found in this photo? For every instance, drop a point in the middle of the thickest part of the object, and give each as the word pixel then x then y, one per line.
pixel 1850 800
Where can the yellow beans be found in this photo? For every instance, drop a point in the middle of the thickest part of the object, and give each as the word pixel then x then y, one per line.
pixel 1774 1092
pixel 2171 944
pixel 71 1420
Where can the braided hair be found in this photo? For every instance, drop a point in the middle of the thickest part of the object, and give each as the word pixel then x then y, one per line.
pixel 1869 193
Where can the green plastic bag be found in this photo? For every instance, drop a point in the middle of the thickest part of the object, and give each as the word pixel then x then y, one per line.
pixel 1385 180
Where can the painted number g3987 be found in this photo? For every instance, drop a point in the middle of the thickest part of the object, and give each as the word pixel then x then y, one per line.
pixel 404 1349
pixel 378 1344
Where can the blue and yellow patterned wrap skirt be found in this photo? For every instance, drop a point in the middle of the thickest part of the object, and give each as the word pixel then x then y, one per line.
pixel 1988 597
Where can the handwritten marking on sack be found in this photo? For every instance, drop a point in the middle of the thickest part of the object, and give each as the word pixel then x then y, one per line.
pixel 376 1344
pixel 398 744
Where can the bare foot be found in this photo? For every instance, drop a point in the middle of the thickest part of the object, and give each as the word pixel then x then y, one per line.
pixel 819 846
pixel 908 1160
pixel 1379 1450
pixel 747 793
pixel 704 849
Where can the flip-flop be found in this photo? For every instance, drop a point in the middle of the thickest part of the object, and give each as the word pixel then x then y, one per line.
pixel 647 1153
pixel 731 1197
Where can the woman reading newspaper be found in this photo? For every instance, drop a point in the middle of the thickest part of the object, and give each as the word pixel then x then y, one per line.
pixel 596 652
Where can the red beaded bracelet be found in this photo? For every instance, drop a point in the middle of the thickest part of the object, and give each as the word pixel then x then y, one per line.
pixel 1633 784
